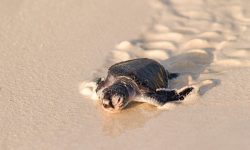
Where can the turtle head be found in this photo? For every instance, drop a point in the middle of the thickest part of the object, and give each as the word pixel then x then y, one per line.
pixel 117 96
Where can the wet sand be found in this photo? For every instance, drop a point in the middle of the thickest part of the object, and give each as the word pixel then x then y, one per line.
pixel 51 52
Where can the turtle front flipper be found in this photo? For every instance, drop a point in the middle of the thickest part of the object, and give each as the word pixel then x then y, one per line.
pixel 99 80
pixel 162 96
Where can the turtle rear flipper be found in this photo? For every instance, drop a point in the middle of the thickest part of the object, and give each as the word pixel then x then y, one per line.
pixel 185 92
pixel 162 96
pixel 173 75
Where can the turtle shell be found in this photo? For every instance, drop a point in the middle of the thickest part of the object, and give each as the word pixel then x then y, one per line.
pixel 148 74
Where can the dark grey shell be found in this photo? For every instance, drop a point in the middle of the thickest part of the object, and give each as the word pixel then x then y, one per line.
pixel 148 74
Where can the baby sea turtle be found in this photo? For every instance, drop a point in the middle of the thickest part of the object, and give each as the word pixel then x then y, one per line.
pixel 143 80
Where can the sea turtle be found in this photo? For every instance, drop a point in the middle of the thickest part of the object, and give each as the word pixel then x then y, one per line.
pixel 142 79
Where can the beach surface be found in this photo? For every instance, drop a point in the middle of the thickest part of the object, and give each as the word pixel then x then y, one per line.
pixel 52 51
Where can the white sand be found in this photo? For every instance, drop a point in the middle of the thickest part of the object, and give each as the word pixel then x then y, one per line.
pixel 48 49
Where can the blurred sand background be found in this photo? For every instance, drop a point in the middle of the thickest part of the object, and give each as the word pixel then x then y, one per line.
pixel 48 48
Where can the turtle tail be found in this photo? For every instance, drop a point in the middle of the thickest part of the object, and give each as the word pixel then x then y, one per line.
pixel 173 75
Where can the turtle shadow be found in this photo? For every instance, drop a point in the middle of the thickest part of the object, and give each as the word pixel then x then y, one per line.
pixel 208 85
pixel 192 65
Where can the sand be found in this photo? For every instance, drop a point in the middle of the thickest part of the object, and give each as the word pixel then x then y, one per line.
pixel 51 51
